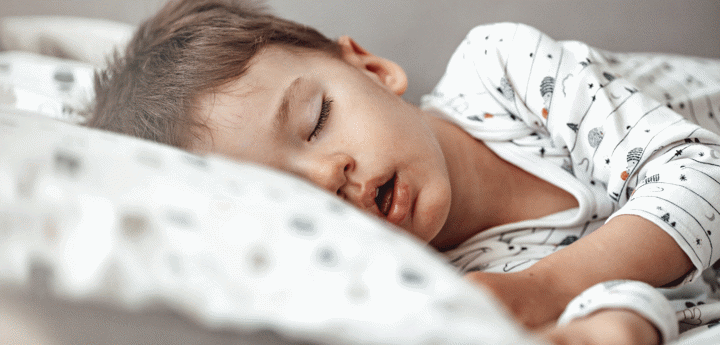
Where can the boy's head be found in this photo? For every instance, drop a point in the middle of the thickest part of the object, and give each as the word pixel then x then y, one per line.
pixel 215 76
pixel 188 48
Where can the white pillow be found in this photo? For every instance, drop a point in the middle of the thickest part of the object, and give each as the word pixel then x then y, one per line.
pixel 84 39
pixel 103 217
pixel 58 88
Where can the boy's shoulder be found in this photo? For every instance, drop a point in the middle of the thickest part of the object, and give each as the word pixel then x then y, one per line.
pixel 495 41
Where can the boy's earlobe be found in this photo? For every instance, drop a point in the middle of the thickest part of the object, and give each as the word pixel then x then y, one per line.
pixel 384 71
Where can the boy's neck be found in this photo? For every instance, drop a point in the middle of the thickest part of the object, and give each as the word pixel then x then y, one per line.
pixel 478 200
pixel 488 191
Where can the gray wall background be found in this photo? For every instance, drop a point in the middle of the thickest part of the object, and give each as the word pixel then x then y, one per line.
pixel 421 35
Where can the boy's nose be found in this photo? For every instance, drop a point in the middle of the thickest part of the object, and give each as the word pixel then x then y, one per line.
pixel 330 172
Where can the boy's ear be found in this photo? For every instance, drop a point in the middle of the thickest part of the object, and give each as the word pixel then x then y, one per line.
pixel 384 71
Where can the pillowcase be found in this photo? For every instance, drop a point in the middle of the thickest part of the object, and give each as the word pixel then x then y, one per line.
pixel 95 216
pixel 48 62
pixel 58 88
pixel 88 40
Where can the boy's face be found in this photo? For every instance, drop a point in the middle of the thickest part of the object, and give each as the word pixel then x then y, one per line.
pixel 370 147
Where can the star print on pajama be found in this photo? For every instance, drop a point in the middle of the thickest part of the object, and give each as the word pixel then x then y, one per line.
pixel 625 133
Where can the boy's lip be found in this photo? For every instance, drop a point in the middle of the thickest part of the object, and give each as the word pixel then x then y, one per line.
pixel 400 207
pixel 400 203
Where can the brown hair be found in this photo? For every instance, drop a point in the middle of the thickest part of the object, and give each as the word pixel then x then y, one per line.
pixel 188 48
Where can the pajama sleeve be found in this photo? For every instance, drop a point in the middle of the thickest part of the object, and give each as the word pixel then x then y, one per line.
pixel 508 81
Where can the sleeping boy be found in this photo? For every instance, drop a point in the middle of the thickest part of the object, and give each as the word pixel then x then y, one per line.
pixel 568 180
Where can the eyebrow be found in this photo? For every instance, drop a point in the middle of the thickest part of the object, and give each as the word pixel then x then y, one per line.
pixel 283 112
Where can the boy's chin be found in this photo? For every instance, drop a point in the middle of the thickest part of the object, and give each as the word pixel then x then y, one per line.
pixel 428 229
pixel 436 215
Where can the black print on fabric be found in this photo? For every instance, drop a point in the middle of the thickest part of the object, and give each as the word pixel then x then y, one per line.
pixel 633 158
pixel 651 179
pixel 412 277
pixel 547 87
pixel 477 268
pixel 568 166
pixel 68 110
pixel 303 226
pixel 67 163
pixel 506 89
pixel 64 79
pixel 595 137
pixel 458 103
pixel 629 192
pixel 469 257
pixel 336 207
pixel 692 315
pixel 134 225
pixel 196 161
pixel 666 218
pixel 259 259
pixel 327 256
pixel 568 240
pixel 510 266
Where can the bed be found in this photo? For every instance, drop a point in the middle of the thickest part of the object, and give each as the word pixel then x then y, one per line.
pixel 112 239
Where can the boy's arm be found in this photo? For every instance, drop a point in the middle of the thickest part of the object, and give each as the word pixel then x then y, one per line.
pixel 627 247
pixel 646 158
pixel 509 81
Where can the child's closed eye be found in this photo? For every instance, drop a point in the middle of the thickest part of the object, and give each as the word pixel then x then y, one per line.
pixel 322 119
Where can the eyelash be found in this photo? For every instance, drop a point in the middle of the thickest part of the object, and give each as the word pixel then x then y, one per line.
pixel 324 114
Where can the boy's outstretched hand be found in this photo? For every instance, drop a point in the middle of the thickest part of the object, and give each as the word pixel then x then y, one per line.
pixel 535 305
pixel 609 326
pixel 538 295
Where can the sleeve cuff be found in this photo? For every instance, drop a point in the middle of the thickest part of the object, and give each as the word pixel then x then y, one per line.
pixel 626 294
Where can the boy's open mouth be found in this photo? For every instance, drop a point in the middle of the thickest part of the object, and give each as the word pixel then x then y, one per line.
pixel 384 197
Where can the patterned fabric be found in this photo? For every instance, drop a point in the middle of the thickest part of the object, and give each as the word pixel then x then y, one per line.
pixel 92 216
pixel 90 40
pixel 618 131
pixel 58 88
